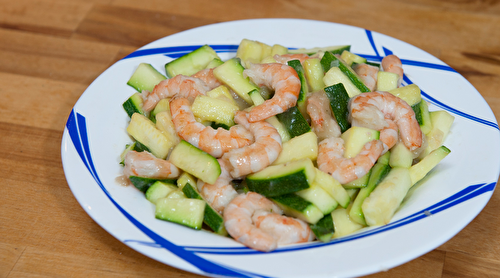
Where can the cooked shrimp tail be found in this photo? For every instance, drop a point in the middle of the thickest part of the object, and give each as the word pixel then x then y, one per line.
pixel 368 74
pixel 392 63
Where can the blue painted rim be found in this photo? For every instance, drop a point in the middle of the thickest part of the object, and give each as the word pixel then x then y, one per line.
pixel 77 130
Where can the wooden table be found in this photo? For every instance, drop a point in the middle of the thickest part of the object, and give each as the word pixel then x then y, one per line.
pixel 51 50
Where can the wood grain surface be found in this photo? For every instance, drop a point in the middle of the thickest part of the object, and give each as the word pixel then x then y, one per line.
pixel 51 50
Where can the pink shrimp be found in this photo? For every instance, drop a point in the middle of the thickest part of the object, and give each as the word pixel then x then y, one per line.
pixel 180 86
pixel 322 121
pixel 283 59
pixel 219 194
pixel 331 159
pixel 391 63
pixel 283 80
pixel 207 76
pixel 258 155
pixel 368 74
pixel 145 164
pixel 215 142
pixel 372 110
pixel 256 222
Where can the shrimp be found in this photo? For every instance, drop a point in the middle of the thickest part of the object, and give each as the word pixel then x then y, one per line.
pixel 180 86
pixel 285 82
pixel 258 155
pixel 219 194
pixel 322 121
pixel 215 142
pixel 372 110
pixel 257 222
pixel 283 59
pixel 145 164
pixel 207 76
pixel 392 63
pixel 368 75
pixel 331 159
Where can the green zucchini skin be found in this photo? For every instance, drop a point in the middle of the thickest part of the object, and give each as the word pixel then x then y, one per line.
pixel 274 187
pixel 324 229
pixel 298 207
pixel 329 60
pixel 304 89
pixel 134 105
pixel 294 122
pixel 192 62
pixel 339 100
pixel 143 184
pixel 211 217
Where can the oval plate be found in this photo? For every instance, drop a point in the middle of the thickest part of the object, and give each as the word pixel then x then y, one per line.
pixel 439 207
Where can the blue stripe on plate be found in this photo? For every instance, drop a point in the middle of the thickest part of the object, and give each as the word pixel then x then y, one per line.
pixel 76 126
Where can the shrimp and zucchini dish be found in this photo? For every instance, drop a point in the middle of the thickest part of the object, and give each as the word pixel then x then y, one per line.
pixel 279 146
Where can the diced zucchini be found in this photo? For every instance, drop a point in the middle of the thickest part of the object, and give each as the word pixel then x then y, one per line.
pixel 302 146
pixel 441 122
pixel 196 162
pixel 134 105
pixel 145 77
pixel 304 89
pixel 332 187
pixel 355 139
pixel 352 192
pixel 387 81
pixel 424 166
pixel 143 184
pixel 176 194
pixel 319 197
pixel 324 229
pixel 339 100
pixel 192 62
pixel 338 72
pixel 384 200
pixel 187 212
pixel 211 217
pixel 378 173
pixel 423 116
pixel 214 63
pixel 166 126
pixel 409 93
pixel 337 49
pixel 159 190
pixel 350 58
pixel 401 156
pixel 162 106
pixel 249 51
pixel 343 224
pixel 222 92
pixel 281 179
pixel 231 74
pixel 184 179
pixel 359 182
pixel 145 131
pixel 294 122
pixel 215 110
pixel 278 49
pixel 296 206
pixel 314 74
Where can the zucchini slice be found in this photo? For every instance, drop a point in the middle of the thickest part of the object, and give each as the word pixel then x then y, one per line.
pixel 304 89
pixel 145 131
pixel 337 71
pixel 298 207
pixel 294 122
pixel 143 184
pixel 192 62
pixel 196 162
pixel 145 77
pixel 336 49
pixel 282 179
pixel 339 100
pixel 324 229
pixel 187 212
pixel 231 74
pixel 134 105
pixel 159 190
pixel 299 147
pixel 422 168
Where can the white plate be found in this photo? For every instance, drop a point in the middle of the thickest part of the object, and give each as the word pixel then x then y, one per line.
pixel 449 198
